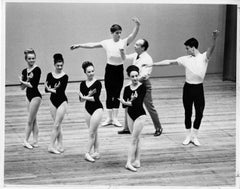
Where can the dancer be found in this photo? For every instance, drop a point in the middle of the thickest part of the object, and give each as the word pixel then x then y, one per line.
pixel 90 91
pixel 144 61
pixel 56 84
pixel 133 97
pixel 114 69
pixel 30 80
pixel 195 64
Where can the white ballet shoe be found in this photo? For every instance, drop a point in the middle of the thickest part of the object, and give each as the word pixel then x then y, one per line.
pixel 27 145
pixel 130 167
pixel 107 122
pixel 95 155
pixel 195 139
pixel 187 140
pixel 88 157
pixel 53 150
pixel 35 145
pixel 116 123
pixel 136 164
pixel 196 142
pixel 60 149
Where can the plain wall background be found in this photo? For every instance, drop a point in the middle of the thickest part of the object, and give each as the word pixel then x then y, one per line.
pixel 49 28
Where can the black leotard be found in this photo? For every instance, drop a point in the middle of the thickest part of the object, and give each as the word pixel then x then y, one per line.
pixel 91 106
pixel 33 78
pixel 136 109
pixel 59 97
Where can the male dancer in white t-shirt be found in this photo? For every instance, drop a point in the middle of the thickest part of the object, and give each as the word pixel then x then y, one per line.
pixel 195 64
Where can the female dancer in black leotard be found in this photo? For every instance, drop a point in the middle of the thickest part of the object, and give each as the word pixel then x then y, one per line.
pixel 133 99
pixel 56 84
pixel 90 91
pixel 30 80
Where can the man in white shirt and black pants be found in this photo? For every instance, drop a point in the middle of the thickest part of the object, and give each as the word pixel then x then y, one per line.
pixel 144 62
pixel 195 64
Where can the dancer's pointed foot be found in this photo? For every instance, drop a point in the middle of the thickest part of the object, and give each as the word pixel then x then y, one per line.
pixel 130 167
pixel 89 158
pixel 196 142
pixel 27 145
pixel 187 140
pixel 60 149
pixel 116 123
pixel 35 145
pixel 53 150
pixel 136 164
pixel 95 155
pixel 107 122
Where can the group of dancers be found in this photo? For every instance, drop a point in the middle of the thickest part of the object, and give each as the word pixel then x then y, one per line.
pixel 135 94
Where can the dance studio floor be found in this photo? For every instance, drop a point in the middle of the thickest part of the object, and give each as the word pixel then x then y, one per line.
pixel 165 161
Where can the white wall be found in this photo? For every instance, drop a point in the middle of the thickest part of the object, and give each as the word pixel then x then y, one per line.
pixel 53 27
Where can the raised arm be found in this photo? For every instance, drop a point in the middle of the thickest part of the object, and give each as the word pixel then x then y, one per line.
pixel 86 46
pixel 134 33
pixel 212 47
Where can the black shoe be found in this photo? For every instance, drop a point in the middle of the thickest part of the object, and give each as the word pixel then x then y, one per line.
pixel 158 132
pixel 124 131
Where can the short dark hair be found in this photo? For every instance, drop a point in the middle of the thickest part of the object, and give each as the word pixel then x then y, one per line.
pixel 115 27
pixel 132 68
pixel 86 64
pixel 29 51
pixel 58 58
pixel 145 44
pixel 192 42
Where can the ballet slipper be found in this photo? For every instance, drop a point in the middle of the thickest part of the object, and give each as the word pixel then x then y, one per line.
pixel 89 158
pixel 130 167
pixel 27 145
pixel 35 145
pixel 60 149
pixel 136 164
pixel 53 150
pixel 95 155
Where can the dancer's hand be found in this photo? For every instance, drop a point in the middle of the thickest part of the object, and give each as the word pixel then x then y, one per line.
pixel 74 47
pixel 92 92
pixel 47 88
pixel 122 53
pixel 215 34
pixel 134 96
pixel 122 100
pixel 136 20
pixel 57 85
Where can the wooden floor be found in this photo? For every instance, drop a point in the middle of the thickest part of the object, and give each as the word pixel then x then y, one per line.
pixel 165 161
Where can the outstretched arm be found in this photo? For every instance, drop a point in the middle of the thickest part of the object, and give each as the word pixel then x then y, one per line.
pixel 166 62
pixel 212 47
pixel 134 33
pixel 86 45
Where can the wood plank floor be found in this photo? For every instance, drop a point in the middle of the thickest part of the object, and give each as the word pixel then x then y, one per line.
pixel 165 161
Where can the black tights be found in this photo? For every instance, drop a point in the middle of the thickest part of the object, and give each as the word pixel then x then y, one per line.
pixel 193 94
pixel 113 84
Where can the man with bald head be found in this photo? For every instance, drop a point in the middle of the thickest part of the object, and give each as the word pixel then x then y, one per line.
pixel 144 61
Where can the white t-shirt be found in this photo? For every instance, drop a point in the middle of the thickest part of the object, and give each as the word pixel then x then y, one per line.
pixel 144 58
pixel 195 67
pixel 112 50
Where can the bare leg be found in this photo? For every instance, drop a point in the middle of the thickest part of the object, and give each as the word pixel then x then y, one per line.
pixel 60 112
pixel 134 152
pixel 94 123
pixel 35 134
pixel 33 107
